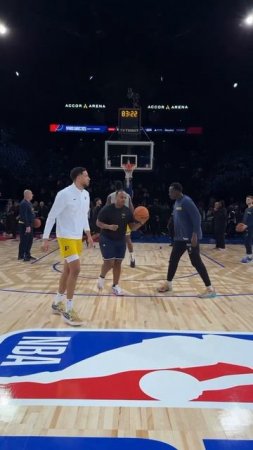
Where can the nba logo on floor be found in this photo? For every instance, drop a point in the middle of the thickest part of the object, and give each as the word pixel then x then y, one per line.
pixel 127 368
pixel 80 443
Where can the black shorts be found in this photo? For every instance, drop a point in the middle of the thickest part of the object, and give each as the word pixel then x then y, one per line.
pixel 112 249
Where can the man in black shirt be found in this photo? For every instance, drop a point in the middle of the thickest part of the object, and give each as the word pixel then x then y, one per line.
pixel 113 220
pixel 93 219
pixel 26 219
pixel 220 224
pixel 248 221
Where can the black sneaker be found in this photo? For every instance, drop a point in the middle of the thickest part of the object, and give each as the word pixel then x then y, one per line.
pixel 32 258
pixel 132 263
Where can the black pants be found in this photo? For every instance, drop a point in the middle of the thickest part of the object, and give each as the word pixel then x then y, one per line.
pixel 179 248
pixel 249 240
pixel 26 240
pixel 220 238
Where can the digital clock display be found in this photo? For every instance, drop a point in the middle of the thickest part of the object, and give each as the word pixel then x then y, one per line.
pixel 134 113
pixel 129 120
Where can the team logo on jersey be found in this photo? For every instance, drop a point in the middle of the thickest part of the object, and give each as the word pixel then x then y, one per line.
pixel 127 368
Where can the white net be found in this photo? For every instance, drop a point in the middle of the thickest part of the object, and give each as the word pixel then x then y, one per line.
pixel 128 169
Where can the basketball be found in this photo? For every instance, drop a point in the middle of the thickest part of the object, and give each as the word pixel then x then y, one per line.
pixel 240 227
pixel 36 223
pixel 141 214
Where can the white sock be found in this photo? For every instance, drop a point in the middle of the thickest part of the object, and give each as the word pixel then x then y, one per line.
pixel 170 284
pixel 58 298
pixel 69 305
pixel 210 288
pixel 131 256
pixel 249 256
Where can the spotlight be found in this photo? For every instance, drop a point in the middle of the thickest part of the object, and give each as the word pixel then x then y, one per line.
pixel 3 29
pixel 249 20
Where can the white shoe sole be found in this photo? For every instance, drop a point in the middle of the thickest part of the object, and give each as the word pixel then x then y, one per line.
pixel 208 296
pixel 73 324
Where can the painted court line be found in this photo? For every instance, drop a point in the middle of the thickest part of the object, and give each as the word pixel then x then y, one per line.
pixel 56 269
pixel 44 256
pixel 213 260
pixel 129 295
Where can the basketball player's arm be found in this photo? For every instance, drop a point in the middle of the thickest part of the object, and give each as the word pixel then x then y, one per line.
pixel 245 216
pixel 103 217
pixel 131 206
pixel 89 238
pixel 195 218
pixel 87 226
pixel 106 226
pixel 57 208
pixel 134 225
pixel 27 217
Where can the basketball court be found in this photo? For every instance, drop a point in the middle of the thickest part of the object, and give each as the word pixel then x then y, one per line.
pixel 115 379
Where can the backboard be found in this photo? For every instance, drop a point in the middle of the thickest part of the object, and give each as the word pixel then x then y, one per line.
pixel 140 153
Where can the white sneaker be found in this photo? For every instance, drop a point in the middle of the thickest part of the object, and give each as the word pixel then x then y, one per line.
pixel 100 283
pixel 165 287
pixel 208 294
pixel 116 290
pixel 246 259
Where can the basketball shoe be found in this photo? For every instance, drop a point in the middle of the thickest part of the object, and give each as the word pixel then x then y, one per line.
pixel 71 318
pixel 116 290
pixel 58 308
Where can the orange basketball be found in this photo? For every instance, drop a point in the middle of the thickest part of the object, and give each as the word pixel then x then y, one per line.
pixel 141 214
pixel 240 227
pixel 36 223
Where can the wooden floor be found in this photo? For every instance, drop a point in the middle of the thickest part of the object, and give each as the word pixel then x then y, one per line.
pixel 26 292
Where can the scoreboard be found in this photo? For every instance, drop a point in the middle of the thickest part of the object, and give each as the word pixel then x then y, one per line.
pixel 129 120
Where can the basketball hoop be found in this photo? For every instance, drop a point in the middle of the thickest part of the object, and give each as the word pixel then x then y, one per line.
pixel 128 169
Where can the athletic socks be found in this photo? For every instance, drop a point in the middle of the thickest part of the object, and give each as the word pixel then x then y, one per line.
pixel 69 305
pixel 58 298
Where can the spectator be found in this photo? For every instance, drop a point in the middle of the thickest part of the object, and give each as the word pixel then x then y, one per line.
pixel 220 224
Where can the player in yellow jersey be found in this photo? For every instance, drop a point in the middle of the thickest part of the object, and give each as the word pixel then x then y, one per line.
pixel 70 212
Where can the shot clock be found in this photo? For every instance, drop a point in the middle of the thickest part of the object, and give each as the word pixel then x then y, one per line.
pixel 129 120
